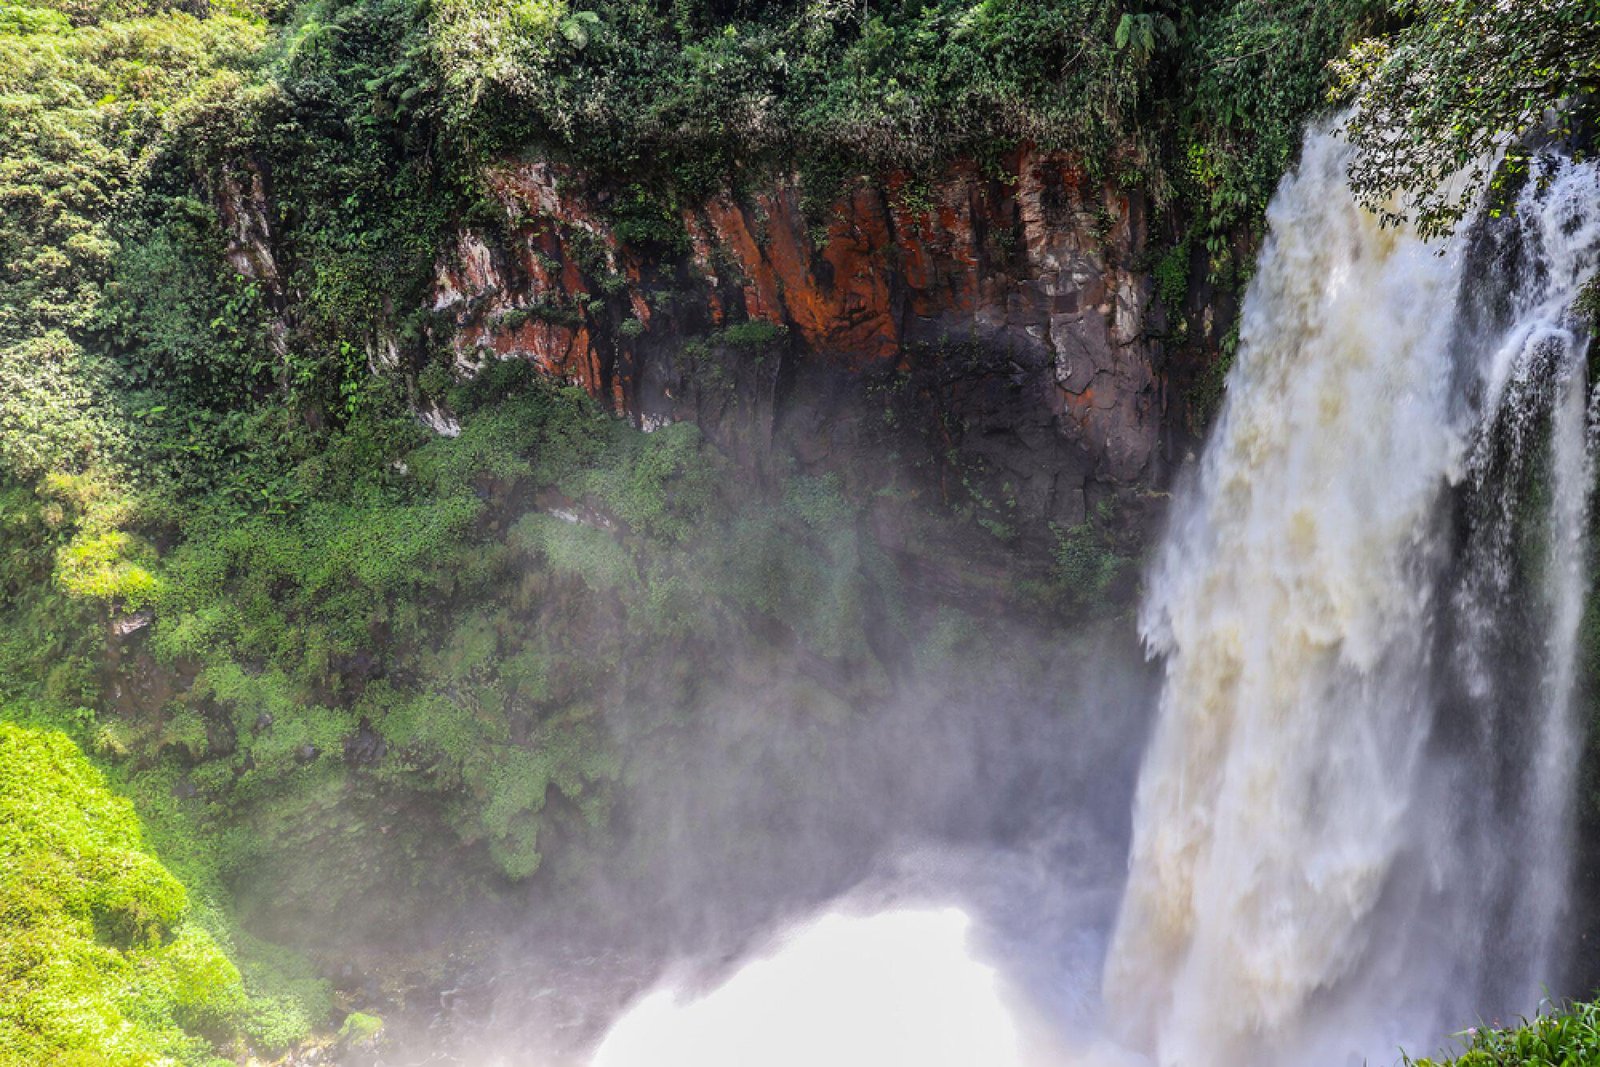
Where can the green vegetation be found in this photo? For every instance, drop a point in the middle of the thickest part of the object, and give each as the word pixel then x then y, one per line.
pixel 102 958
pixel 1568 1036
pixel 358 1029
pixel 1460 83
pixel 430 604
pixel 1253 74
pixel 328 655
pixel 1198 101
pixel 705 85
pixel 1091 561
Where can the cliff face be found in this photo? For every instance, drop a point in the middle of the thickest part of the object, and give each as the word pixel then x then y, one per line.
pixel 1010 307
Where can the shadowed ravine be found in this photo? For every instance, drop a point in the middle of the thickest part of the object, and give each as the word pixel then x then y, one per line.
pixel 1353 817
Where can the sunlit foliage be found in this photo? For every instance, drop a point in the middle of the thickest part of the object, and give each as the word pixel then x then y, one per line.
pixel 1566 1034
pixel 100 959
pixel 705 85
pixel 1438 102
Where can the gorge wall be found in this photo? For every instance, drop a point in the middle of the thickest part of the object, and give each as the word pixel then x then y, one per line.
pixel 1018 304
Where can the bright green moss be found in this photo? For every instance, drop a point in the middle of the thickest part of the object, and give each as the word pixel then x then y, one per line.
pixel 359 1028
pixel 99 958
pixel 110 565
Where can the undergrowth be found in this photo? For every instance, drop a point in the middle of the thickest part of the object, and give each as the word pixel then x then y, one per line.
pixel 1566 1035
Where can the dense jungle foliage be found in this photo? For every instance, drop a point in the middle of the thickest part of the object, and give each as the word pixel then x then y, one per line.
pixel 324 651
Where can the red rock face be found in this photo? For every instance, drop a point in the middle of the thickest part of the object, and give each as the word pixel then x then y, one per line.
pixel 1034 265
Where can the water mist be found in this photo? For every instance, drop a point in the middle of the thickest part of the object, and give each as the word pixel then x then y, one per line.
pixel 1352 819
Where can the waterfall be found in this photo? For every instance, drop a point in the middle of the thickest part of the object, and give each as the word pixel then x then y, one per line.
pixel 1352 818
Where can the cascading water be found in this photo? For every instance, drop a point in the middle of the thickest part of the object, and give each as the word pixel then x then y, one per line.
pixel 1352 817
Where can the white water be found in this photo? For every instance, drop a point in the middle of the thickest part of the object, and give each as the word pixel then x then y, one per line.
pixel 1302 875
pixel 1352 819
